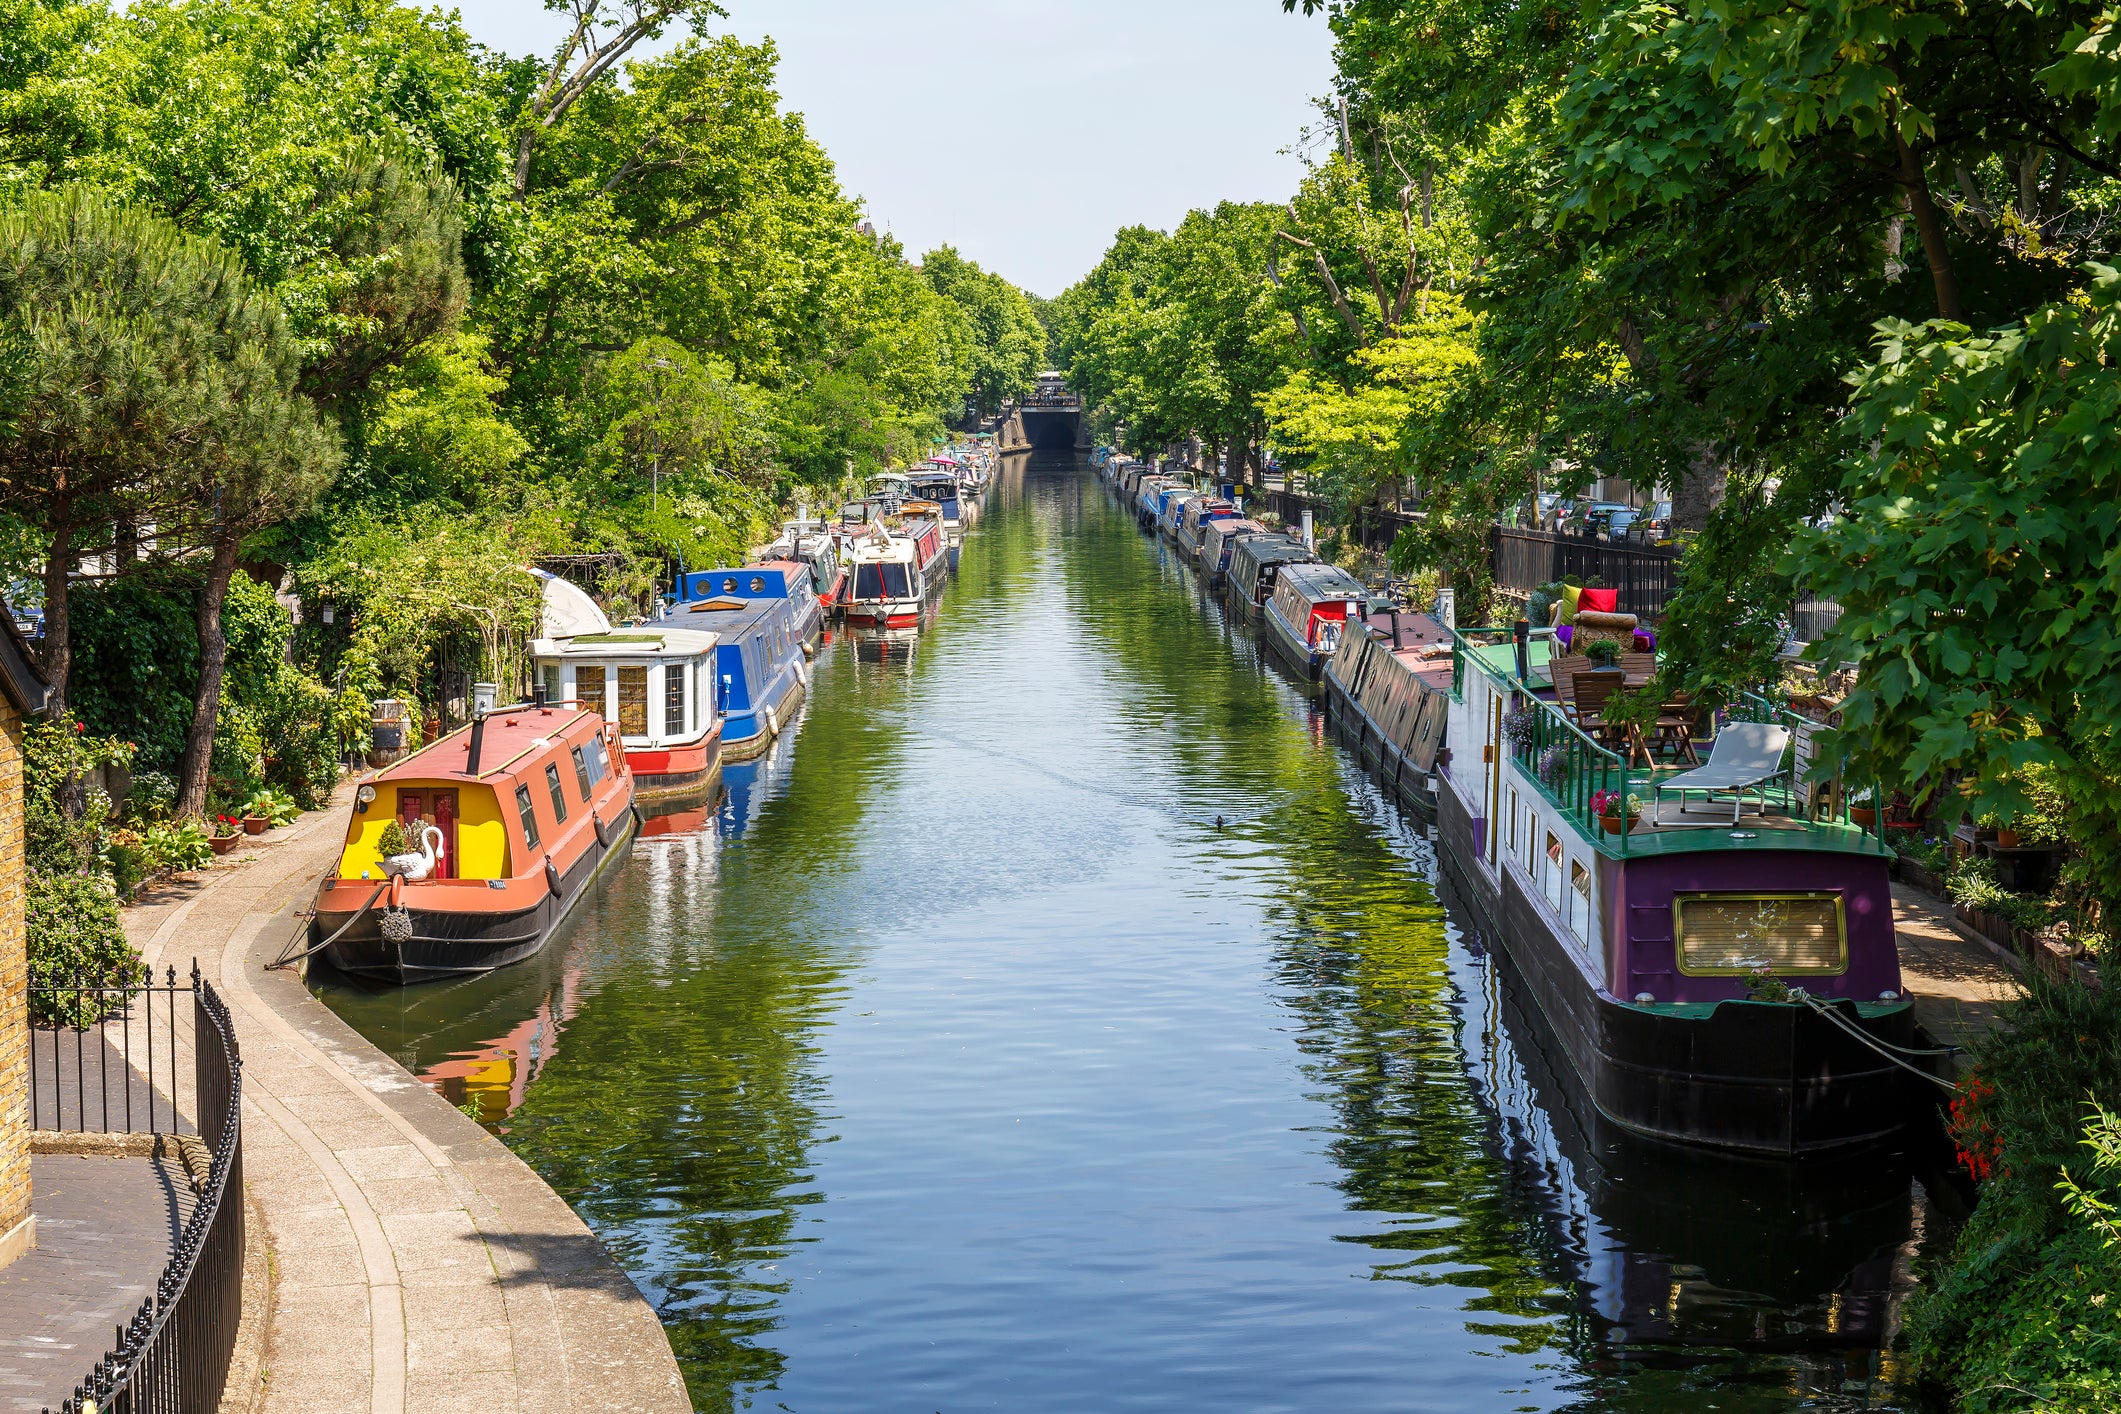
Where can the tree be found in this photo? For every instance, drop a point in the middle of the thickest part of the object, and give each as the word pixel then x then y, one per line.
pixel 1008 342
pixel 266 454
pixel 127 323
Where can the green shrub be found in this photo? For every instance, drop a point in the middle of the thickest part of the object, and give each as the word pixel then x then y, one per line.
pixel 74 935
pixel 2027 1309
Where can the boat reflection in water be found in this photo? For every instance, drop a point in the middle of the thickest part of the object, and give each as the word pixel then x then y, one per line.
pixel 1691 1261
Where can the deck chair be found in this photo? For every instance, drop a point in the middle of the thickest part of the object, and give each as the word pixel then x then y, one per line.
pixel 1592 691
pixel 1562 671
pixel 1746 755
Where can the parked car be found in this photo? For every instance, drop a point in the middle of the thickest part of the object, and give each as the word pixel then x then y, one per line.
pixel 1653 526
pixel 1591 520
pixel 1617 522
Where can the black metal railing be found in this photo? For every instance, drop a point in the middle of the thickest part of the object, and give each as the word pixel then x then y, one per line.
pixel 173 1356
pixel 1522 560
pixel 103 1053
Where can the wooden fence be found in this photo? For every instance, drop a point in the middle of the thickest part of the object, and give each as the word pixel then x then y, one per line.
pixel 1525 559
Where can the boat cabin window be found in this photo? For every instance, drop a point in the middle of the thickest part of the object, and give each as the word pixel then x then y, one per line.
pixel 673 699
pixel 549 679
pixel 581 774
pixel 552 784
pixel 1579 900
pixel 1550 876
pixel 880 581
pixel 633 701
pixel 589 688
pixel 599 765
pixel 1795 934
pixel 758 584
pixel 528 816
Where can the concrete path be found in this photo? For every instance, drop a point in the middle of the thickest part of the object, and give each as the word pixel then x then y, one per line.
pixel 1957 980
pixel 417 1264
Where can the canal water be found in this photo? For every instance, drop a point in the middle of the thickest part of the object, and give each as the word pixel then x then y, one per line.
pixel 1057 1020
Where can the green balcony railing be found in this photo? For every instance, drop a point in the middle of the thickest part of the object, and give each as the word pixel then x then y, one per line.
pixel 1568 766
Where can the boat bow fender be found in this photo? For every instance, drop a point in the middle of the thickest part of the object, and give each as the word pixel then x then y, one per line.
pixel 552 876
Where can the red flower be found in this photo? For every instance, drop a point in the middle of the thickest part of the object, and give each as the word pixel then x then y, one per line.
pixel 80 727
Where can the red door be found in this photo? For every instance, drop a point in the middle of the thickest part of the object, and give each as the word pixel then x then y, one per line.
pixel 418 809
pixel 446 822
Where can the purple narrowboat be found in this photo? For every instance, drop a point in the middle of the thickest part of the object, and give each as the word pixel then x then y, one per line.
pixel 1717 960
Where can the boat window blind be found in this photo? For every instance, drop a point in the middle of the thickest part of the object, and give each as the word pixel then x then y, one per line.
pixel 1794 934
pixel 633 701
pixel 673 699
pixel 529 816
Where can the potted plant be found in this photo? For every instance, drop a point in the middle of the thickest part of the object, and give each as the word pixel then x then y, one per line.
pixel 1617 812
pixel 1863 811
pixel 1604 654
pixel 226 835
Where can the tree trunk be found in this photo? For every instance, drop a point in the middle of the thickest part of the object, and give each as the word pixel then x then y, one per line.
pixel 1236 471
pixel 1930 227
pixel 213 659
pixel 57 653
pixel 1700 489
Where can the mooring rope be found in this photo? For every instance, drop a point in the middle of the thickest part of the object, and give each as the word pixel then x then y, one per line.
pixel 287 959
pixel 1883 1048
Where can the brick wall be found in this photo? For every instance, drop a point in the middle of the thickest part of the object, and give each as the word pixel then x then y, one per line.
pixel 14 983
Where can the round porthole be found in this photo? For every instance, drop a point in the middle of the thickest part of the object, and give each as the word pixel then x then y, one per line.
pixel 758 584
pixel 729 585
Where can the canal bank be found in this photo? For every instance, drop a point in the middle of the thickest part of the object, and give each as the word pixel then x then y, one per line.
pixel 1058 1019
pixel 412 1262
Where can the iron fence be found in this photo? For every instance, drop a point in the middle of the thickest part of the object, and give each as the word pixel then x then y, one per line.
pixel 1523 560
pixel 172 1357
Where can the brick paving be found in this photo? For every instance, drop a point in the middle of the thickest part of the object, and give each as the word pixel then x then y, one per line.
pixel 105 1228
pixel 418 1264
pixel 1957 981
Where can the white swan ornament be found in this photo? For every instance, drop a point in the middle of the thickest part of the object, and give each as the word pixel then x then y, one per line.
pixel 415 867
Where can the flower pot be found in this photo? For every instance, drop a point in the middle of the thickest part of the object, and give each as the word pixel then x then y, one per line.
pixel 1863 817
pixel 256 824
pixel 1617 824
pixel 2006 839
pixel 224 843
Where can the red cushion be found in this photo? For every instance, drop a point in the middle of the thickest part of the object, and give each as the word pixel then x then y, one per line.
pixel 1600 601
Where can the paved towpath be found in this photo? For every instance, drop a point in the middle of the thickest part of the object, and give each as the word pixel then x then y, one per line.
pixel 418 1264
pixel 1958 981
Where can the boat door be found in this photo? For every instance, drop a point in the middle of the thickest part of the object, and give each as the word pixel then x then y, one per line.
pixel 439 809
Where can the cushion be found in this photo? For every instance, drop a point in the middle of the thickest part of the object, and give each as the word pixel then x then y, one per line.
pixel 1605 601
pixel 1563 635
pixel 1645 640
pixel 1567 605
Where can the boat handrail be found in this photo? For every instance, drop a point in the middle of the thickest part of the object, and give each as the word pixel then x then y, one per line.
pixel 1567 765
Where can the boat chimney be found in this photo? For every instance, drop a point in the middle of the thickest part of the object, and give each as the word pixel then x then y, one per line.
pixel 478 741
pixel 1521 635
pixel 1310 540
pixel 537 695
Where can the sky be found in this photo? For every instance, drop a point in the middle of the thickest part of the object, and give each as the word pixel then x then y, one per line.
pixel 1026 132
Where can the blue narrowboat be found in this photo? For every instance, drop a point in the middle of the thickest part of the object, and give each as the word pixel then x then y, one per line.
pixel 770 579
pixel 759 670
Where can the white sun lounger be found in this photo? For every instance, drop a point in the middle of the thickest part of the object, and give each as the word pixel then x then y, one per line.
pixel 1746 755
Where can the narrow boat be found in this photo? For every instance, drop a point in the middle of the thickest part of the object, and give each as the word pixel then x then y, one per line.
pixel 1200 513
pixel 1388 692
pixel 1218 539
pixel 1312 604
pixel 657 685
pixel 812 544
pixel 899 565
pixel 785 580
pixel 938 486
pixel 1256 564
pixel 758 663
pixel 510 819
pixel 1734 984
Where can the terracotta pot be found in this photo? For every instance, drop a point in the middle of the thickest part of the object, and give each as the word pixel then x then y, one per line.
pixel 2006 839
pixel 1616 824
pixel 224 843
pixel 1864 817
pixel 256 824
